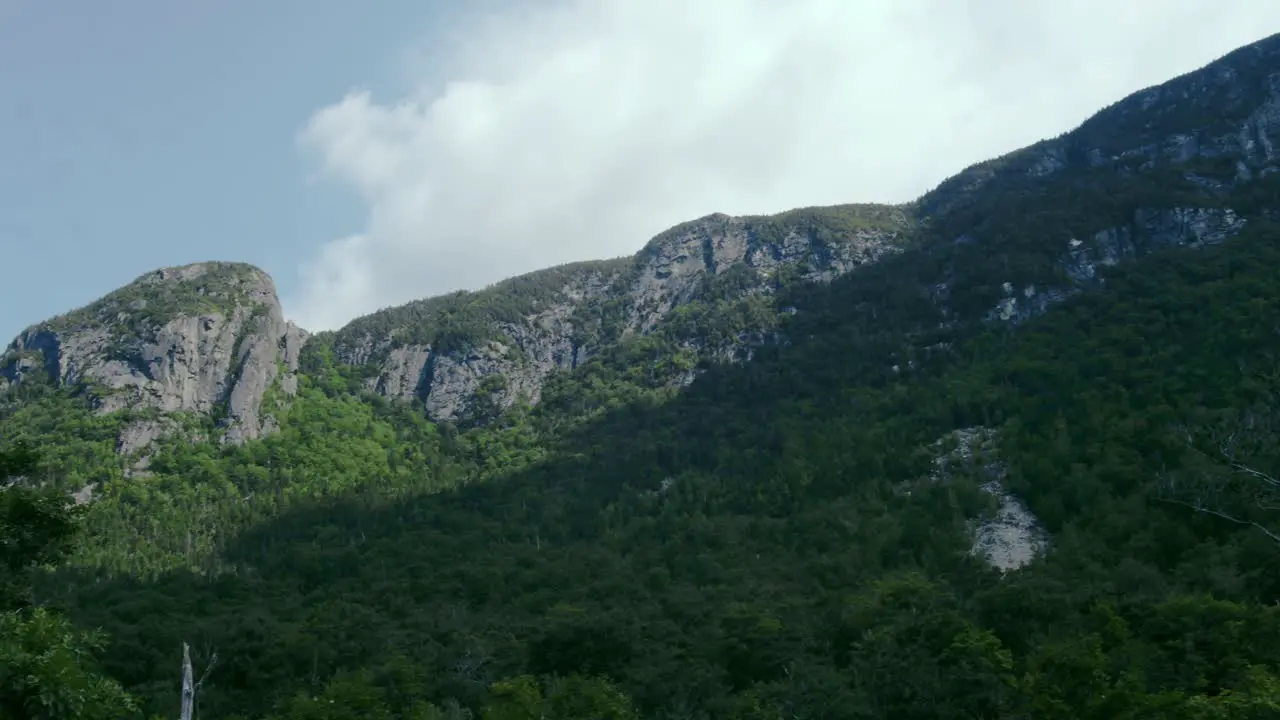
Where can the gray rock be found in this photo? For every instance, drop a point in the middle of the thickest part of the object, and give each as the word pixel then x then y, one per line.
pixel 217 350
pixel 403 373
pixel 1052 158
pixel 1151 230
pixel 667 274
pixel 1228 109
pixel 1012 537
pixel 84 495
pixel 137 436
pixel 671 268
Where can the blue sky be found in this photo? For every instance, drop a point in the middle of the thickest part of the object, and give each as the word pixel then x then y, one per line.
pixel 143 133
pixel 366 154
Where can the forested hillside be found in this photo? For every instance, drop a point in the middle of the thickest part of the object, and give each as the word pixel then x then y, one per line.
pixel 745 498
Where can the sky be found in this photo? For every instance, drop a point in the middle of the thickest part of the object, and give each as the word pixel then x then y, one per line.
pixel 366 155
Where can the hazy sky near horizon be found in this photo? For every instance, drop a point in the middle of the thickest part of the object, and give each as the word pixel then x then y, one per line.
pixel 369 154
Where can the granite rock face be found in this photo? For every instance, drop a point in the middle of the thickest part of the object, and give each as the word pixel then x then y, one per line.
pixel 633 296
pixel 1189 161
pixel 1083 260
pixel 1151 230
pixel 1170 166
pixel 1009 538
pixel 208 338
pixel 670 270
pixel 1214 130
pixel 517 352
pixel 1217 127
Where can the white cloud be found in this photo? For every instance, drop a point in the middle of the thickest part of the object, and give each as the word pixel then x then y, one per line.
pixel 576 129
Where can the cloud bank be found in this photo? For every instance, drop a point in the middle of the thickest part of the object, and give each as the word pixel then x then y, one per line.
pixel 555 131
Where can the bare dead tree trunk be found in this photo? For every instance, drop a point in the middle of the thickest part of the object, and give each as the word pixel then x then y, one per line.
pixel 189 686
pixel 1222 480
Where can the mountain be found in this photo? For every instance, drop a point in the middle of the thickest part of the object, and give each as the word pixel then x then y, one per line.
pixel 440 350
pixel 1188 146
pixel 1006 451
pixel 207 338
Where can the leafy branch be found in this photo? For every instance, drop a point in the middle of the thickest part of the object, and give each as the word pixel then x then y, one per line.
pixel 1222 472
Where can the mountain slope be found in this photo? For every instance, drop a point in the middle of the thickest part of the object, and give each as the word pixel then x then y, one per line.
pixel 694 550
pixel 799 531
pixel 521 330
pixel 1183 163
pixel 208 338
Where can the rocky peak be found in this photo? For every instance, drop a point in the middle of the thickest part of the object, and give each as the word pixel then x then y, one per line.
pixel 1217 127
pixel 505 340
pixel 1083 260
pixel 1186 164
pixel 818 244
pixel 1229 107
pixel 208 338
pixel 1182 164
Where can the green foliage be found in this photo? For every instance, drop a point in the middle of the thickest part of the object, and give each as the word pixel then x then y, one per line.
pixel 43 674
pixel 462 320
pixel 18 460
pixel 44 661
pixel 36 528
pixel 570 698
pixel 159 296
pixel 769 541
pixel 76 447
pixel 344 698
pixel 739 548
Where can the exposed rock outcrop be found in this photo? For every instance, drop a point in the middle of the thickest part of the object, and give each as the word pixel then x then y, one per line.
pixel 1151 230
pixel 1082 261
pixel 669 271
pixel 1011 537
pixel 208 338
pixel 1224 117
pixel 518 350
pixel 584 306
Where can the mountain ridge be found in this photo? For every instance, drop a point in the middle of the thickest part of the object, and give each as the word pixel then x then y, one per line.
pixel 520 329
pixel 1004 453
pixel 210 339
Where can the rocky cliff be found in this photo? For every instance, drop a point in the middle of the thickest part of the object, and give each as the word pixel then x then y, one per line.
pixel 1190 163
pixel 1217 128
pixel 208 338
pixel 1084 261
pixel 500 344
pixel 1009 536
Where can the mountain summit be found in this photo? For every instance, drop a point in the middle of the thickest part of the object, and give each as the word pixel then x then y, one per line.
pixel 1183 163
pixel 210 338
pixel 1008 451
pixel 207 338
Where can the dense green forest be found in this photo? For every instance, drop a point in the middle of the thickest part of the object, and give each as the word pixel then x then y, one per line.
pixel 771 542
pixel 739 549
